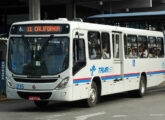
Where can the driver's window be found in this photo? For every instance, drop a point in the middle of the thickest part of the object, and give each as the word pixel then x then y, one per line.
pixel 79 57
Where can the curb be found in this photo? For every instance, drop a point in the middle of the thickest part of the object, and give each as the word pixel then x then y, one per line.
pixel 3 99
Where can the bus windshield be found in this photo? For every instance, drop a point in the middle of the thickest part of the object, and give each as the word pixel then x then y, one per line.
pixel 36 56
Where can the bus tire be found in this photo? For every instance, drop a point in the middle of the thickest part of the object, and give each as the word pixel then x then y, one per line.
pixel 93 97
pixel 142 87
pixel 41 104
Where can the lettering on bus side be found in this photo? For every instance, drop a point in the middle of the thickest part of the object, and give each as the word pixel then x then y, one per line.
pixel 101 69
pixel 133 63
pixel 163 65
pixel 105 69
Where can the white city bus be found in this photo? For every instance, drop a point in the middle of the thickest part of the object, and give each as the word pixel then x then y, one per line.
pixel 67 61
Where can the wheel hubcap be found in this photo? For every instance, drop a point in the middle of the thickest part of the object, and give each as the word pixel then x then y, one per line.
pixel 92 95
pixel 142 88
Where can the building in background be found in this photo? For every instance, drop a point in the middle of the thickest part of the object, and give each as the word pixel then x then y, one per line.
pixel 140 20
pixel 21 10
pixel 3 45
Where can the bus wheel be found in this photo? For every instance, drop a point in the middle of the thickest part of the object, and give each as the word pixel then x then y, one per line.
pixel 142 87
pixel 41 104
pixel 93 98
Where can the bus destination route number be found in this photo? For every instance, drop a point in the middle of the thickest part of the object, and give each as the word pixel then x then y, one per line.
pixel 40 29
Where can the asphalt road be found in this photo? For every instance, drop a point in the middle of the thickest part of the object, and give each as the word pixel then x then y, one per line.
pixel 112 107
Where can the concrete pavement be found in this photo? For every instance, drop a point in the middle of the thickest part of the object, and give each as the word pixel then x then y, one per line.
pixel 112 107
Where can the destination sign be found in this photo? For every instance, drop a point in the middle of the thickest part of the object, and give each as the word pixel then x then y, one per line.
pixel 40 29
pixel 43 29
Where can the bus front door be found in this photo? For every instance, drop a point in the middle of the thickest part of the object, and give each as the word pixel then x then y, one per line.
pixel 118 81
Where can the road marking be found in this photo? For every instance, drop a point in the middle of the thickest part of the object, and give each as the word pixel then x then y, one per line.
pixel 84 117
pixel 157 115
pixel 50 117
pixel 117 116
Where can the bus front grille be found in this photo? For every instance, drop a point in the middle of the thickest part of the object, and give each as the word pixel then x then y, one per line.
pixel 26 95
pixel 35 80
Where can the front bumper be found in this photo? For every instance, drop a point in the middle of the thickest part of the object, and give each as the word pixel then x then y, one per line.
pixel 57 95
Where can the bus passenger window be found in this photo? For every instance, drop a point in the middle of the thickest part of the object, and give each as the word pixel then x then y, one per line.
pixel 94 45
pixel 132 46
pixel 79 59
pixel 115 42
pixel 142 47
pixel 160 47
pixel 152 47
pixel 125 46
pixel 105 45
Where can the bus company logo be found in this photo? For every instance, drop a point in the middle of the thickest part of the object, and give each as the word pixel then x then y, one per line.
pixel 163 65
pixel 104 69
pixel 133 63
pixel 20 29
pixel 33 87
pixel 92 69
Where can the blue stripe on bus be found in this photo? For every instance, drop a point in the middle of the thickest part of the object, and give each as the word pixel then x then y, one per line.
pixel 155 72
pixel 118 76
pixel 112 77
pixel 133 75
pixel 82 80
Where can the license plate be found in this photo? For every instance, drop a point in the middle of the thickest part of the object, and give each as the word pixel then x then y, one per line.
pixel 34 98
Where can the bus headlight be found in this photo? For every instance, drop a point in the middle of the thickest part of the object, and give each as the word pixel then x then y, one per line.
pixel 10 83
pixel 62 84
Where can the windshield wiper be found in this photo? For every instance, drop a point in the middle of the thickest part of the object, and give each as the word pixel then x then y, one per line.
pixel 46 43
pixel 26 42
pixel 44 47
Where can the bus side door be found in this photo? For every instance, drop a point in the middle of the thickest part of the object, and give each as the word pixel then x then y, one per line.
pixel 118 73
pixel 79 70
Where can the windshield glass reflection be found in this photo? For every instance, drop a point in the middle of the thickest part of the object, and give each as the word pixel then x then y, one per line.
pixel 38 56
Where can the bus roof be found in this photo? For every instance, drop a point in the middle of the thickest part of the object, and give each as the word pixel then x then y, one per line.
pixel 90 26
pixel 43 22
